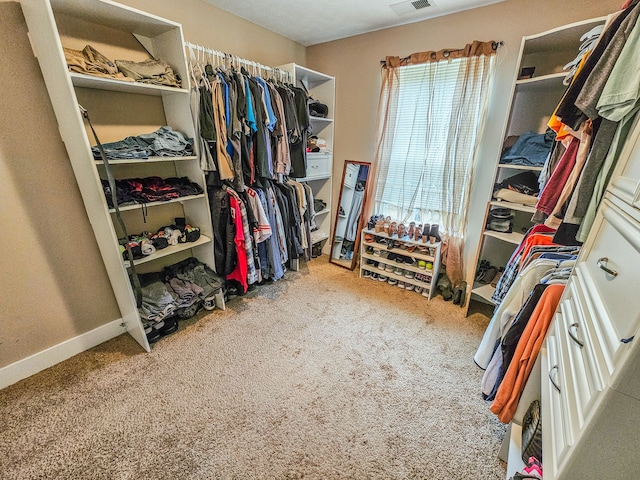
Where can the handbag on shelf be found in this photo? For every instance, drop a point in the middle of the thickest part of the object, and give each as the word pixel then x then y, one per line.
pixel 532 432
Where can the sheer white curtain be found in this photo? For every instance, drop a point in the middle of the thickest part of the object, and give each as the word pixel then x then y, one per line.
pixel 431 113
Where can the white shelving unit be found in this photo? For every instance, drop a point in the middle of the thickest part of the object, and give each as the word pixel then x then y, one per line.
pixel 533 100
pixel 432 256
pixel 532 103
pixel 319 165
pixel 119 109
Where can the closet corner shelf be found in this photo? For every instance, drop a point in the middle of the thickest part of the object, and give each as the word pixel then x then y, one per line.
pixel 513 237
pixel 513 206
pixel 111 84
pixel 320 119
pixel 323 176
pixel 484 291
pixel 520 167
pixel 319 155
pixel 318 236
pixel 322 212
pixel 541 83
pixel 181 247
pixel 137 206
pixel 130 161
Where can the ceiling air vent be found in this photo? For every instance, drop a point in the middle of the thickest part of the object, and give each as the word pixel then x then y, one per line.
pixel 404 8
pixel 420 4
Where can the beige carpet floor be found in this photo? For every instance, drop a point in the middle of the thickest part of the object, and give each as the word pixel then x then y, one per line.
pixel 320 376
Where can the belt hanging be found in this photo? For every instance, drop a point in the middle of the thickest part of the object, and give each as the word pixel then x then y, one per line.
pixel 114 199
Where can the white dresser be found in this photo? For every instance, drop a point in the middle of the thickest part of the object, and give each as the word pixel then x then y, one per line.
pixel 590 363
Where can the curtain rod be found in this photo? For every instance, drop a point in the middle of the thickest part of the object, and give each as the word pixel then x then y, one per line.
pixel 494 45
pixel 235 60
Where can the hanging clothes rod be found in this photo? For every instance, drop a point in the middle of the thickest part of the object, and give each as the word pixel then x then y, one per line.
pixel 229 60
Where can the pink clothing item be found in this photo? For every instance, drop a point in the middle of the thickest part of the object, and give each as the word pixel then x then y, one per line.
pixel 240 272
pixel 549 196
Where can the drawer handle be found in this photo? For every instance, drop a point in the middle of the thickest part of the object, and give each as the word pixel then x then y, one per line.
pixel 553 382
pixel 573 335
pixel 602 266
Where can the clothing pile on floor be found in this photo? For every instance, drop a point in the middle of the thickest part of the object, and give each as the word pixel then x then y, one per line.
pixel 133 191
pixel 164 142
pixel 178 292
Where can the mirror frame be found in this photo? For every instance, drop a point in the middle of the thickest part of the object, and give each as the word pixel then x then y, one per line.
pixel 361 221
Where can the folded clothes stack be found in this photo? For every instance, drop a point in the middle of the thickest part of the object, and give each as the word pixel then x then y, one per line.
pixel 89 61
pixel 133 191
pixel 499 220
pixel 164 142
pixel 522 188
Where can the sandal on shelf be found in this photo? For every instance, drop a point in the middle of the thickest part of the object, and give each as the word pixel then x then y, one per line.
pixel 412 230
pixel 401 230
pixel 368 238
pixel 380 226
pixel 386 225
pixel 393 229
pixel 496 277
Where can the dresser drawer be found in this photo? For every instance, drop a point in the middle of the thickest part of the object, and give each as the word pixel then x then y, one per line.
pixel 557 429
pixel 608 272
pixel 318 165
pixel 579 356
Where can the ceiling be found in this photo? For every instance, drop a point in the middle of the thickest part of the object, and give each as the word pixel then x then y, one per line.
pixel 316 21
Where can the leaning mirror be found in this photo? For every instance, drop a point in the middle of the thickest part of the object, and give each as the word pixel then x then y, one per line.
pixel 348 221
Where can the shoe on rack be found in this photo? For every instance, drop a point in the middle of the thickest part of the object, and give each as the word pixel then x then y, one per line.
pixel 401 284
pixel 434 234
pixel 366 274
pixel 489 274
pixel 425 232
pixel 412 230
pixel 496 277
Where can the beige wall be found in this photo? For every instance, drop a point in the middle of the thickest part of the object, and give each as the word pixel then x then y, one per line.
pixel 53 283
pixel 355 64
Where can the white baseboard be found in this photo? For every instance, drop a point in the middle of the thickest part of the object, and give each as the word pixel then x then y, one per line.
pixel 47 358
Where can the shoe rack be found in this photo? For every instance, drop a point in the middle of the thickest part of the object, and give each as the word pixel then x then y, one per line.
pixel 385 261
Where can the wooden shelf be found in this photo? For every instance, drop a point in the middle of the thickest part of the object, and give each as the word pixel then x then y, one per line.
pixel 403 266
pixel 130 161
pixel 543 83
pixel 324 176
pixel 119 17
pixel 484 292
pixel 513 237
pixel 520 167
pixel 137 206
pixel 170 250
pixel 322 212
pixel 513 206
pixel 318 236
pixel 400 278
pixel 113 85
